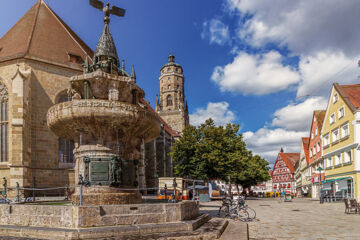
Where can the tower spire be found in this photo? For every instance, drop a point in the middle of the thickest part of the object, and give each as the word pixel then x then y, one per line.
pixel 123 65
pixel 133 75
pixel 171 57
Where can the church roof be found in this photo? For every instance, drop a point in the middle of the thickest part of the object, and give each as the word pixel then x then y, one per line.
pixel 42 35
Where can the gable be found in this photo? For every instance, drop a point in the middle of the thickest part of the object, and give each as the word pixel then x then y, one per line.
pixel 333 108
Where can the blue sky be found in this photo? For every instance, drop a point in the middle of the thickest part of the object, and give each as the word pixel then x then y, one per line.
pixel 266 65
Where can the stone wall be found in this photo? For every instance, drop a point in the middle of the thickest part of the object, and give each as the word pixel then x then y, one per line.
pixel 33 149
pixel 177 119
pixel 95 216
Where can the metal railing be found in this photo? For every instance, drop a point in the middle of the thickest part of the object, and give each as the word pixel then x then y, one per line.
pixel 37 194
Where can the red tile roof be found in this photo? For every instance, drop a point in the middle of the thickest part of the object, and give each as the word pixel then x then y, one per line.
pixel 42 35
pixel 166 126
pixel 320 115
pixel 305 142
pixel 290 160
pixel 350 94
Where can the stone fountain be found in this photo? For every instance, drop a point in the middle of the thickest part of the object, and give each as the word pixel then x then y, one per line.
pixel 108 123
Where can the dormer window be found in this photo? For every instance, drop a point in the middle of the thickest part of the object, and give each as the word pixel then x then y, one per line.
pixel 75 58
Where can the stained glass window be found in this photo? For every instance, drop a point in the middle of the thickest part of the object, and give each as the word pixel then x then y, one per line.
pixel 4 123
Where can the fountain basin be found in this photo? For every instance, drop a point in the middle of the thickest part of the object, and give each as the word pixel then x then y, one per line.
pixel 100 118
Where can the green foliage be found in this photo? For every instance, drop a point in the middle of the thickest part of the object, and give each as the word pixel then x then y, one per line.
pixel 216 152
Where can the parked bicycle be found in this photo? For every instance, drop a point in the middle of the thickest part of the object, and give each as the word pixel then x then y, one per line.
pixel 237 210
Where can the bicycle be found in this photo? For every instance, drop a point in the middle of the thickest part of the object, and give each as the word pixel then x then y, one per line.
pixel 237 210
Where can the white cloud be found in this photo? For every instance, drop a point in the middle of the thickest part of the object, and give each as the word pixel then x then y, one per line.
pixel 218 111
pixel 297 117
pixel 305 26
pixel 255 74
pixel 216 31
pixel 319 71
pixel 268 142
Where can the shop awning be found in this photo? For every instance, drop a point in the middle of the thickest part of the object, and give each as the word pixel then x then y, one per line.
pixel 336 179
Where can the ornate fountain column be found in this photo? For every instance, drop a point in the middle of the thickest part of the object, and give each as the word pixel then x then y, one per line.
pixel 108 123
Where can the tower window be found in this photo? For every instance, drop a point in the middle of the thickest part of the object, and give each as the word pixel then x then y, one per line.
pixel 168 69
pixel 177 86
pixel 169 87
pixel 169 100
pixel 168 78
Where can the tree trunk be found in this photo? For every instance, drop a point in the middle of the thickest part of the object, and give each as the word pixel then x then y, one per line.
pixel 230 193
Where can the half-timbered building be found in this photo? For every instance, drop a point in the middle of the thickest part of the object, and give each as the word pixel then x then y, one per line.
pixel 283 172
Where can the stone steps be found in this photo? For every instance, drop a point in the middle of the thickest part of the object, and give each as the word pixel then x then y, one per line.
pixel 199 228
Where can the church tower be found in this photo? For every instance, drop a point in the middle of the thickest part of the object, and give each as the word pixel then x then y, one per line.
pixel 171 106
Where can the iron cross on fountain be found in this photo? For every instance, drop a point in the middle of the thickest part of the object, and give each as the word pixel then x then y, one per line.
pixel 107 11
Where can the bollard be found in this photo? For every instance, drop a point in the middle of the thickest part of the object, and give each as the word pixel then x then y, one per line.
pixel 81 183
pixel 17 192
pixel 66 192
pixel 33 191
pixel 165 192
pixel 5 188
pixel 174 193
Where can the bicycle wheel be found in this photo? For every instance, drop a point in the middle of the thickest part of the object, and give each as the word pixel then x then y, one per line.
pixel 251 213
pixel 242 214
pixel 223 212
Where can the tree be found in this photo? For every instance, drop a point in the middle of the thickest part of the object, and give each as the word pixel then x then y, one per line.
pixel 216 152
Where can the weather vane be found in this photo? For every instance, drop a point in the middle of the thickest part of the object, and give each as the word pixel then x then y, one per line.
pixel 107 11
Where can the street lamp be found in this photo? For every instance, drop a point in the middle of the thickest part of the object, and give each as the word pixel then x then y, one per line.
pixel 320 169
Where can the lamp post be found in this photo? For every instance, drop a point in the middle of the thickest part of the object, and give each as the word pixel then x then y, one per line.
pixel 291 186
pixel 320 169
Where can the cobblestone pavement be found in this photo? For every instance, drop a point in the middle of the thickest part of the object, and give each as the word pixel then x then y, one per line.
pixel 300 219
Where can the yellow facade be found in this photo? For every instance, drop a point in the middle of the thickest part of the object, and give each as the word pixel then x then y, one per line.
pixel 338 140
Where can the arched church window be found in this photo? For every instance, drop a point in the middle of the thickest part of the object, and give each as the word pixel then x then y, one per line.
pixel 65 147
pixel 4 123
pixel 169 100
